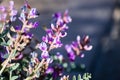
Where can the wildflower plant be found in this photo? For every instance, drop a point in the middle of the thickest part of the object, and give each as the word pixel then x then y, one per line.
pixel 43 65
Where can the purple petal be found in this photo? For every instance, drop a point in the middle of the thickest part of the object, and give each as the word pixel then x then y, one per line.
pixel 13 12
pixel 43 46
pixel 45 39
pixel 22 16
pixel 66 17
pixel 33 12
pixel 68 48
pixel 45 54
pixel 29 35
pixel 2 8
pixel 63 34
pixel 57 15
pixel 88 48
pixel 71 56
pixel 18 27
pixel 82 55
pixel 11 5
pixel 49 70
pixel 12 18
pixel 74 44
pixel 35 25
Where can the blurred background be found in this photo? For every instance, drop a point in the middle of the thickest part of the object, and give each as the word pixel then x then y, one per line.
pixel 100 19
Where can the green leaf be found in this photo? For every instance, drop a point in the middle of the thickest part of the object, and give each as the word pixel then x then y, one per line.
pixel 87 76
pixel 14 53
pixel 15 66
pixel 72 64
pixel 2 42
pixel 65 65
pixel 74 77
pixel 51 78
pixel 79 77
pixel 37 74
pixel 14 77
pixel 9 42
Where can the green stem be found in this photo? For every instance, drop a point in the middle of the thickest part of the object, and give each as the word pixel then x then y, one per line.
pixel 31 77
pixel 7 60
pixel 41 63
pixel 10 75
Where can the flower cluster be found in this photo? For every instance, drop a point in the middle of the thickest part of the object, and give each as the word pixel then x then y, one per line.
pixel 77 47
pixel 57 31
pixel 39 63
pixel 15 37
pixel 52 40
pixel 19 35
pixel 8 12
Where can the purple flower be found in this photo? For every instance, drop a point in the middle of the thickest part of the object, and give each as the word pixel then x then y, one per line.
pixel 57 31
pixel 19 56
pixel 59 22
pixel 33 54
pixel 70 52
pixel 63 34
pixel 74 44
pixel 22 16
pixel 45 54
pixel 82 55
pixel 57 42
pixel 28 35
pixel 78 39
pixel 85 43
pixel 57 15
pixel 50 32
pixel 88 47
pixel 64 27
pixel 45 39
pixel 68 48
pixel 11 3
pixel 35 25
pixel 62 19
pixel 2 8
pixel 34 59
pixel 53 27
pixel 18 27
pixel 12 18
pixel 42 46
pixel 49 70
pixel 71 56
pixel 13 12
pixel 33 12
pixel 66 17
pixel 77 47
pixel 3 17
pixel 49 60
